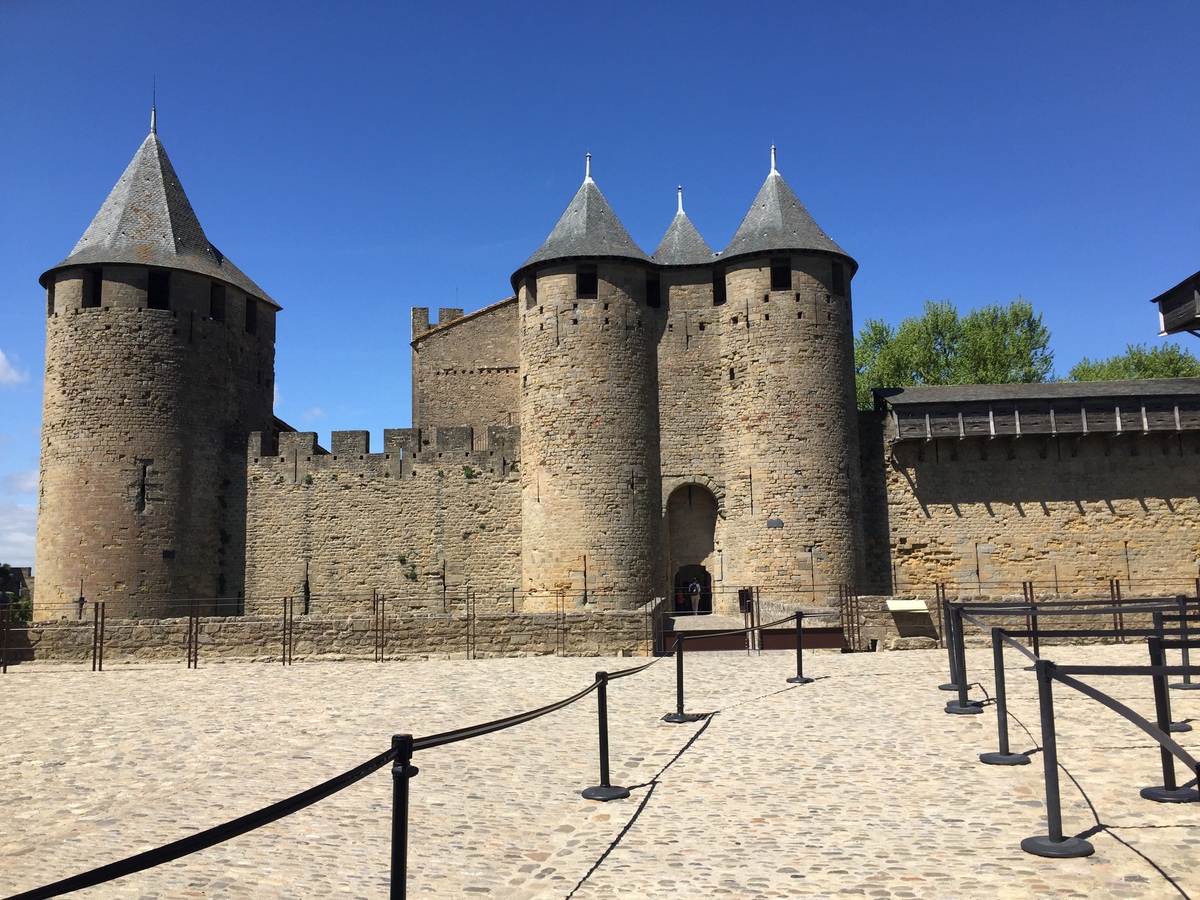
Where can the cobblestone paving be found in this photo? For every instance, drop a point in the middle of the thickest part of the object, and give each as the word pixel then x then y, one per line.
pixel 858 784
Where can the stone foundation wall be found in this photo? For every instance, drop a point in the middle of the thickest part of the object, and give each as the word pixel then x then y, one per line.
pixel 903 630
pixel 618 633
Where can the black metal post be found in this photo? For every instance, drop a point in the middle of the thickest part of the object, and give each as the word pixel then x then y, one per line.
pixel 98 636
pixel 1052 845
pixel 1170 791
pixel 402 772
pixel 799 679
pixel 1003 756
pixel 948 639
pixel 679 715
pixel 604 791
pixel 4 625
pixel 1187 684
pixel 1033 626
pixel 962 705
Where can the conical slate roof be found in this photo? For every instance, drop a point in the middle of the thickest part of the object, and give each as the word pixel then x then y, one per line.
pixel 148 221
pixel 778 221
pixel 588 228
pixel 682 245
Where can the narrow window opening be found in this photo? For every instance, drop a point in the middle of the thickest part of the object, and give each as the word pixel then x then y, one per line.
pixel 731 373
pixel 838 285
pixel 587 284
pixel 50 300
pixel 158 291
pixel 530 293
pixel 251 315
pixel 216 302
pixel 734 320
pixel 701 326
pixel 93 287
pixel 718 288
pixel 767 317
pixel 781 274
pixel 653 291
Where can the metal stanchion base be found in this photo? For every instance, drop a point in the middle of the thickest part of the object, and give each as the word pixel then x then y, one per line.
pixel 799 679
pixel 1165 795
pixel 1067 848
pixel 948 687
pixel 679 718
pixel 1185 686
pixel 1004 759
pixel 600 792
pixel 973 708
pixel 1178 727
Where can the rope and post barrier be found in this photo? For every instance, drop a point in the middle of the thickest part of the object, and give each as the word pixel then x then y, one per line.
pixel 1169 791
pixel 799 677
pixel 1053 844
pixel 1003 756
pixel 1187 684
pixel 679 716
pixel 605 790
pixel 98 636
pixel 948 641
pixel 962 705
pixel 403 771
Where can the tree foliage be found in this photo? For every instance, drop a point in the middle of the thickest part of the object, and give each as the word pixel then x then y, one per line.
pixel 992 345
pixel 1138 361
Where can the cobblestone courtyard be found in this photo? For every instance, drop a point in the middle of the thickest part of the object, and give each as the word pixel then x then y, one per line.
pixel 858 784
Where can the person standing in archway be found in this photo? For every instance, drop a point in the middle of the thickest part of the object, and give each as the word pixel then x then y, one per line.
pixel 694 596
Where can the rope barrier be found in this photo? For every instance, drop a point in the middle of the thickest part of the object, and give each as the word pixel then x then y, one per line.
pixel 235 828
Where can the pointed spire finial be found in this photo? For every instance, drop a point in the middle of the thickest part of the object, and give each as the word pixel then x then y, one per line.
pixel 774 171
pixel 680 191
pixel 587 173
pixel 153 107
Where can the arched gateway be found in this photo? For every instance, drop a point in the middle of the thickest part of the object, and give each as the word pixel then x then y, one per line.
pixel 692 521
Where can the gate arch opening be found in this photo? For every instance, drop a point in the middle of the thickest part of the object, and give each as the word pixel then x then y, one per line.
pixel 692 513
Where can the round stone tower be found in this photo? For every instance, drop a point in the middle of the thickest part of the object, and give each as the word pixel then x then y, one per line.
pixel 790 425
pixel 590 319
pixel 159 363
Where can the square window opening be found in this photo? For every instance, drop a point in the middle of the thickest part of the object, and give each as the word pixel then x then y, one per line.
pixel 587 283
pixel 158 291
pixel 781 274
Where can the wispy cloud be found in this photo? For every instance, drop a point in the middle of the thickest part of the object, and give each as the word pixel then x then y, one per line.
pixel 276 397
pixel 19 483
pixel 8 373
pixel 315 413
pixel 18 523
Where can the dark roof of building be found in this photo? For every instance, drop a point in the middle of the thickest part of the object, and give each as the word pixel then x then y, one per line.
pixel 148 221
pixel 1052 390
pixel 778 221
pixel 588 228
pixel 682 245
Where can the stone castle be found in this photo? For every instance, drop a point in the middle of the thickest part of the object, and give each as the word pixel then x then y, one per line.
pixel 621 426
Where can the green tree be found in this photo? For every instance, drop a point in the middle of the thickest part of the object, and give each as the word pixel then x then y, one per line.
pixel 993 345
pixel 1167 361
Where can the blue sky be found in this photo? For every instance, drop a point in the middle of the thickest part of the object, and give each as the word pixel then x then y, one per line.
pixel 357 160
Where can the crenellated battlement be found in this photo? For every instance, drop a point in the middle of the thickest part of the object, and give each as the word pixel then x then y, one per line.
pixel 407 453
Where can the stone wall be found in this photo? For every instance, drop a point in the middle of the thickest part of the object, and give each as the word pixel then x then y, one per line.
pixel 914 629
pixel 394 522
pixel 1067 513
pixel 590 463
pixel 405 636
pixel 791 448
pixel 145 413
pixel 466 375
